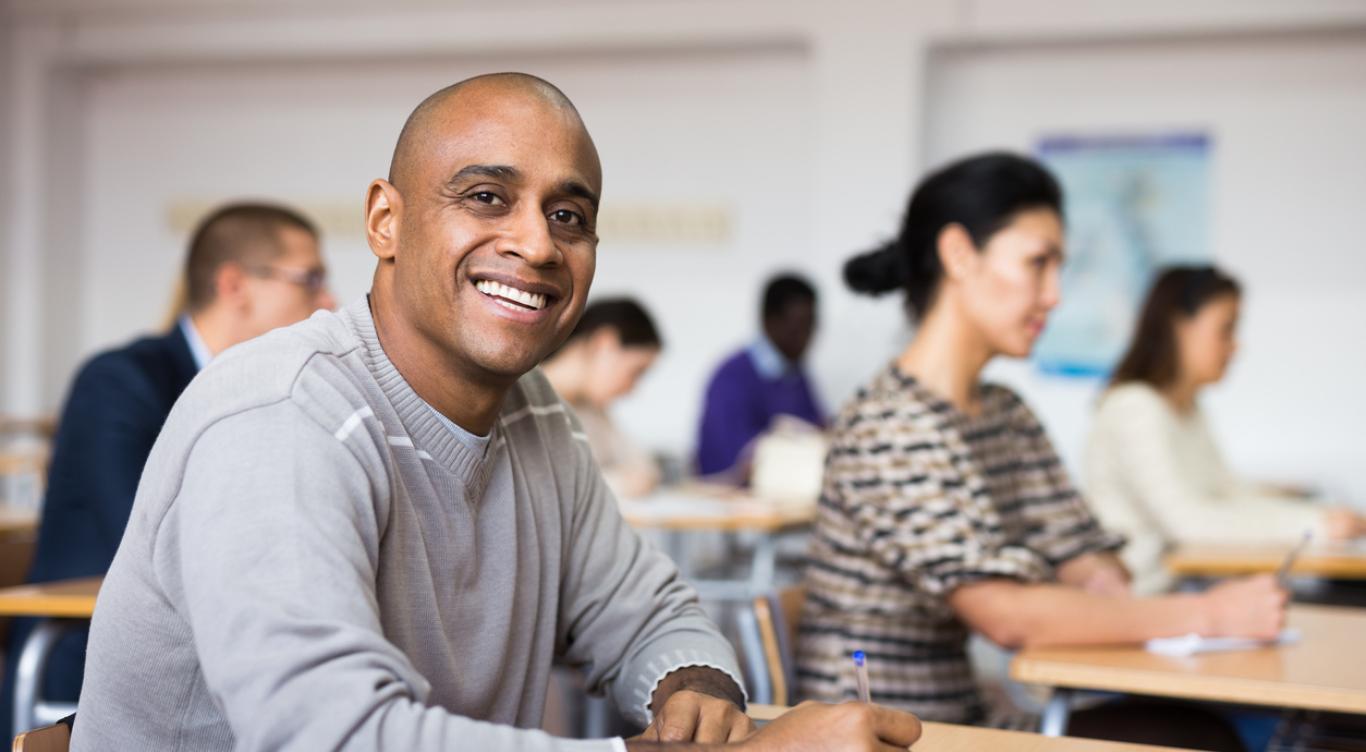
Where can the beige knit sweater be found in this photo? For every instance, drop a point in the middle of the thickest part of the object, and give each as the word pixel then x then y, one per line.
pixel 1157 477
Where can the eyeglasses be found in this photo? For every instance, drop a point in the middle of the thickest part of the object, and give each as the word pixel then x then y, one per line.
pixel 313 280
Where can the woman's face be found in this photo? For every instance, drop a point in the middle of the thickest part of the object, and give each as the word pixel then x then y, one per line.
pixel 1010 285
pixel 1207 340
pixel 613 369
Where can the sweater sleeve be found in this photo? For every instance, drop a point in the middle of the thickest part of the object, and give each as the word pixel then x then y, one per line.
pixel 626 617
pixel 1062 525
pixel 271 550
pixel 1140 430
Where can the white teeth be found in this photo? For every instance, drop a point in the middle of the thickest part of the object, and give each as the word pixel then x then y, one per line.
pixel 533 300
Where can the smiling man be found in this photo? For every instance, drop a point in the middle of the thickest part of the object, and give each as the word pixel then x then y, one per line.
pixel 376 529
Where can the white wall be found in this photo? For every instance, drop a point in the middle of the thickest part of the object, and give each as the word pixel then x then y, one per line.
pixel 808 120
pixel 6 203
pixel 316 135
pixel 1287 114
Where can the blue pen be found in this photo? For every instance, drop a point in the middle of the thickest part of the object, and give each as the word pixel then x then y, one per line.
pixel 861 674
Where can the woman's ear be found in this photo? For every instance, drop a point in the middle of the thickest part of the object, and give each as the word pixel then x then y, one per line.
pixel 957 252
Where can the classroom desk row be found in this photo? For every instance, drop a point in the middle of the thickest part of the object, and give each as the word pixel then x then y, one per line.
pixel 75 599
pixel 1310 674
pixel 1342 561
pixel 680 514
pixel 1316 672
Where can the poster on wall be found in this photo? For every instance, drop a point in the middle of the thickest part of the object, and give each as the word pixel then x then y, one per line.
pixel 1133 204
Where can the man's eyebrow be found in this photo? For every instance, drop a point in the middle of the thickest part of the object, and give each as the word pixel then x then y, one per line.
pixel 501 172
pixel 510 173
pixel 575 188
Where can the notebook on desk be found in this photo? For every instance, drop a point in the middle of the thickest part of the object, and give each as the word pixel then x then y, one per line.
pixel 1193 644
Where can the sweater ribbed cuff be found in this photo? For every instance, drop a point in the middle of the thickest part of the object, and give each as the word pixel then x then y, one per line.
pixel 672 667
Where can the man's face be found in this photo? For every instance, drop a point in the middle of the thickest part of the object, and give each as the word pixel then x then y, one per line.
pixel 791 328
pixel 277 292
pixel 496 240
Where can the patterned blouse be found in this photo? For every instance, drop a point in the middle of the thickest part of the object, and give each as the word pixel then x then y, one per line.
pixel 919 499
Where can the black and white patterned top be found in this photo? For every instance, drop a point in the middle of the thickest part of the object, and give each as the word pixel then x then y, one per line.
pixel 919 499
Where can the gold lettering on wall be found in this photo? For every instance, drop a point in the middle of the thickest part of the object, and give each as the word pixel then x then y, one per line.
pixel 672 224
pixel 336 219
pixel 634 224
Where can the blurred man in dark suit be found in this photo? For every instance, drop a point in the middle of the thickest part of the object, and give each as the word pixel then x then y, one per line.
pixel 251 268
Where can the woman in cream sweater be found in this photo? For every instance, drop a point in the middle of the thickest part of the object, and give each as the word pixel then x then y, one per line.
pixel 1153 470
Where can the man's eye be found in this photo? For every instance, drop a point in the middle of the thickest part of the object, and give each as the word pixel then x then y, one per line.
pixel 565 216
pixel 486 197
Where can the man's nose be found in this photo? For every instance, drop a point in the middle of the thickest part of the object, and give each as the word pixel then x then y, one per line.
pixel 528 237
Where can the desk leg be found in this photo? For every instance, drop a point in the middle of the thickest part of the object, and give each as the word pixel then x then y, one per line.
pixel 676 546
pixel 1056 712
pixel 762 570
pixel 28 675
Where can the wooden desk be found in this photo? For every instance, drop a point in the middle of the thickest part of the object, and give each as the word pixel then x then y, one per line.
pixel 948 737
pixel 695 508
pixel 69 599
pixel 1344 561
pixel 1320 672
pixel 17 520
pixel 44 426
pixel 61 606
pixel 709 507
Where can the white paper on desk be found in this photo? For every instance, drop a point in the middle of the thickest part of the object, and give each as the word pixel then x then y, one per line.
pixel 1192 644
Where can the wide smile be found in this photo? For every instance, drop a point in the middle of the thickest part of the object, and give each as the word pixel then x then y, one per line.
pixel 515 299
pixel 512 298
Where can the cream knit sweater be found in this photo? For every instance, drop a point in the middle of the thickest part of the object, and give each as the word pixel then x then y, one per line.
pixel 1157 477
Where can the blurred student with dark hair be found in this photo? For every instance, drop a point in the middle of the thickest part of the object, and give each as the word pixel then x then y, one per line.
pixel 1153 469
pixel 945 509
pixel 763 380
pixel 611 348
pixel 250 268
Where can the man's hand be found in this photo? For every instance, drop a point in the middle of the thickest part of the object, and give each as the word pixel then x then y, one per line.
pixel 698 704
pixel 848 727
pixel 813 727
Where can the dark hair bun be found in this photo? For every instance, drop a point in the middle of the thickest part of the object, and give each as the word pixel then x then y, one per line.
pixel 878 271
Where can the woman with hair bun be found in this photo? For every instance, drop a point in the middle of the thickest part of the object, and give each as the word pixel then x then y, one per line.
pixel 945 510
pixel 1153 469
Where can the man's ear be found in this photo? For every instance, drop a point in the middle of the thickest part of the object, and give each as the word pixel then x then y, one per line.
pixel 230 285
pixel 383 209
pixel 956 251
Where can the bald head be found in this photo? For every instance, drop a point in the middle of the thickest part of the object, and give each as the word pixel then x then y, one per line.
pixel 419 130
pixel 485 235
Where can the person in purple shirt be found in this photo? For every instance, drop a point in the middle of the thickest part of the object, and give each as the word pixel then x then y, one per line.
pixel 762 380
